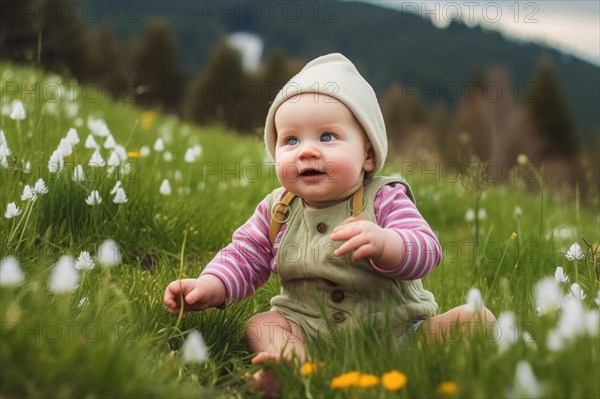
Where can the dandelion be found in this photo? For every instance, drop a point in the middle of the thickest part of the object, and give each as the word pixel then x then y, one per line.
pixel 40 187
pixel 470 215
pixel 56 162
pixel 28 194
pixel 393 380
pixel 474 300
pixel 120 197
pixel 64 277
pixel 72 137
pixel 109 253
pixel 96 161
pixel 12 210
pixel 194 349
pixel 506 325
pixel 560 276
pixel 576 292
pixel 159 145
pixel 17 113
pixel 367 381
pixel 574 252
pixel 10 272
pixel 90 142
pixel 526 384
pixel 548 296
pixel 94 198
pixel 346 380
pixel 165 188
pixel 78 174
pixel 84 261
pixel 448 388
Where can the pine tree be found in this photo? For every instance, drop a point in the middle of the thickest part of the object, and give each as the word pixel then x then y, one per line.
pixel 549 114
pixel 157 77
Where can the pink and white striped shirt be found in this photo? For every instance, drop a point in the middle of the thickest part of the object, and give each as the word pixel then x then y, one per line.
pixel 247 262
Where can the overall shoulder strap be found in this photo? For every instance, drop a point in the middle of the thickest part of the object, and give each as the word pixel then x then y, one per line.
pixel 280 213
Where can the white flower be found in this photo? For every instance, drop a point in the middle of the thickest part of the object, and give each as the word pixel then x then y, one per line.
pixel 116 187
pixel 72 137
pixel 547 295
pixel 109 253
pixel 508 330
pixel 555 341
pixel 597 299
pixel 165 188
pixel 27 167
pixel 98 127
pixel 12 210
pixel 28 194
pixel 78 174
pixel 197 149
pixel 120 197
pixel 159 145
pixel 194 349
pixel 167 156
pixel 190 156
pixel 17 113
pixel 10 272
pixel 113 160
pixel 474 300
pixel 470 215
pixel 96 161
pixel 481 214
pixel 574 252
pixel 178 175
pixel 560 276
pixel 2 137
pixel 592 322
pixel 83 302
pixel 518 212
pixel 572 316
pixel 64 277
pixel 40 187
pixel 4 150
pixel 84 261
pixel 94 198
pixel 576 291
pixel 72 109
pixel 90 142
pixel 65 148
pixel 144 151
pixel 121 152
pixel 110 142
pixel 526 384
pixel 56 162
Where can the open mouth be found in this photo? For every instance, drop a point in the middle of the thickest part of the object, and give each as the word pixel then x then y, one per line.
pixel 311 172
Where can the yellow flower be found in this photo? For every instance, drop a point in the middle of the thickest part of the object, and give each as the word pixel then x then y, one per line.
pixel 448 388
pixel 367 381
pixel 346 380
pixel 133 154
pixel 147 119
pixel 393 380
pixel 513 235
pixel 309 368
pixel 522 159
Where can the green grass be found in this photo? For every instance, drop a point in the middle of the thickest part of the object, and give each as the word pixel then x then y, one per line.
pixel 123 343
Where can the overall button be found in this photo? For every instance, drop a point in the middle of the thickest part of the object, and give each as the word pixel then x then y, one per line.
pixel 321 227
pixel 338 317
pixel 337 296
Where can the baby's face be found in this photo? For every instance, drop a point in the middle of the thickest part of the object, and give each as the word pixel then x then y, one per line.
pixel 322 152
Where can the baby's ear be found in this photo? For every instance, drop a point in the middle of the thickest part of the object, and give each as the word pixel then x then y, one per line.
pixel 369 164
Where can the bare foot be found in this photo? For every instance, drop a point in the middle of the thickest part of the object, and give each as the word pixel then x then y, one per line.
pixel 265 380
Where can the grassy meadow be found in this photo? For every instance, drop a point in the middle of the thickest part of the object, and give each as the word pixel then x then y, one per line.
pixel 83 317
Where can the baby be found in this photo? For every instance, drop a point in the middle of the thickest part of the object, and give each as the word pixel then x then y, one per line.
pixel 348 246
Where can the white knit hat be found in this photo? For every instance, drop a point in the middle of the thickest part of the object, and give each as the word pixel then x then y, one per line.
pixel 335 76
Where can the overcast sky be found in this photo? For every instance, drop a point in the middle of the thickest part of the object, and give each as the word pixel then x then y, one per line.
pixel 572 26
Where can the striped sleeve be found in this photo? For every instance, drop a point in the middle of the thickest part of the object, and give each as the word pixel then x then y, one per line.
pixel 394 210
pixel 244 265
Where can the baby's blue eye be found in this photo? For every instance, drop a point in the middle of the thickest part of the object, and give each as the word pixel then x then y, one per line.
pixel 291 141
pixel 327 137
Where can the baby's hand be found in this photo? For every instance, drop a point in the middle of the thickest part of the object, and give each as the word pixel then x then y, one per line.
pixel 363 237
pixel 198 294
